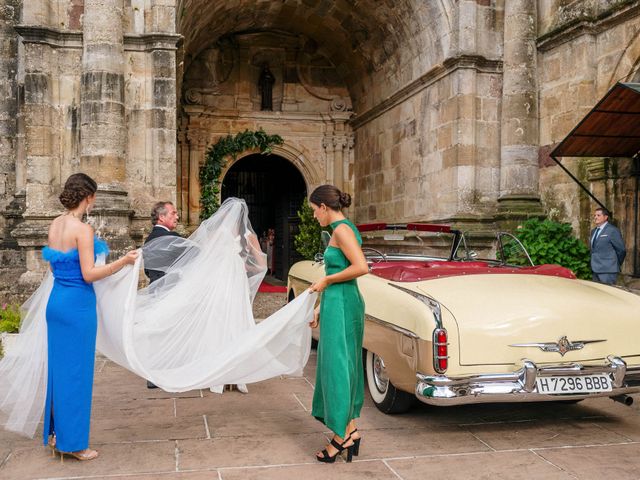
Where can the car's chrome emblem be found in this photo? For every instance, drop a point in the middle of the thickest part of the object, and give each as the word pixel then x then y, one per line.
pixel 562 346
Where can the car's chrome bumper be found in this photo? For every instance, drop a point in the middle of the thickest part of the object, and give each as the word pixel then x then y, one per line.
pixel 520 386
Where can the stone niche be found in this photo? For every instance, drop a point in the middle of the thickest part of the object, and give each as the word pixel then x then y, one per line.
pixel 226 75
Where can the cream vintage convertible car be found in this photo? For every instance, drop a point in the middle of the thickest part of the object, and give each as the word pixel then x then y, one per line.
pixel 450 329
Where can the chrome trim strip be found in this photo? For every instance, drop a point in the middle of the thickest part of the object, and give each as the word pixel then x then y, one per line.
pixel 391 326
pixel 432 303
pixel 520 386
pixel 562 346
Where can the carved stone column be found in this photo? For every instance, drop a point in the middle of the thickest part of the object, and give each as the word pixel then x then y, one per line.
pixel 8 102
pixel 182 187
pixel 329 149
pixel 519 126
pixel 41 155
pixel 102 92
pixel 197 145
pixel 102 118
pixel 12 171
pixel 337 144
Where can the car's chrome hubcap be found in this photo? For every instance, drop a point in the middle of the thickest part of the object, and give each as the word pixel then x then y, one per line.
pixel 380 374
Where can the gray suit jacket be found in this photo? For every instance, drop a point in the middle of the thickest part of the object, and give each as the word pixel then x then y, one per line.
pixel 607 252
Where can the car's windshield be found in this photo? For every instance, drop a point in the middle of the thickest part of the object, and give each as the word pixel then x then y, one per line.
pixel 400 242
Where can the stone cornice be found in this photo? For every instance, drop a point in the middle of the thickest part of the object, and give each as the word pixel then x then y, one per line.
pixel 202 111
pixel 151 41
pixel 587 26
pixel 475 62
pixel 50 36
pixel 73 38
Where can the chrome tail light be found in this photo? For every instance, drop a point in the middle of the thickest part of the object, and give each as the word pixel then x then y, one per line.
pixel 440 350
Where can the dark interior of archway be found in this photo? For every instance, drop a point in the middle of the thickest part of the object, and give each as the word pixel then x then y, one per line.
pixel 274 190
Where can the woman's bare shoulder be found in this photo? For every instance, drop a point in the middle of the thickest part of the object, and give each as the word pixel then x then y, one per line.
pixel 64 227
pixel 344 231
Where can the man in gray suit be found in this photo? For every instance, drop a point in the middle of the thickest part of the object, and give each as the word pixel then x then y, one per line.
pixel 607 249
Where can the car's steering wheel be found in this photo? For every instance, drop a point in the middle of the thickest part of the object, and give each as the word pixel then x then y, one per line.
pixel 383 257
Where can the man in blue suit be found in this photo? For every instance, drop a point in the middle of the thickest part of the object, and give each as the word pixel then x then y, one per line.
pixel 607 249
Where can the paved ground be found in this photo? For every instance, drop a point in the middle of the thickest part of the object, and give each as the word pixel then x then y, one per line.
pixel 269 434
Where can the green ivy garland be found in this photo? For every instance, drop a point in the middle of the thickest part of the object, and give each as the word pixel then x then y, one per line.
pixel 216 159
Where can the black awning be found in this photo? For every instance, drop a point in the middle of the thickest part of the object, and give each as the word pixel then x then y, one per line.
pixel 610 129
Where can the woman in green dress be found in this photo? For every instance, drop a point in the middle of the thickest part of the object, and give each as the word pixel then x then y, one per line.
pixel 339 389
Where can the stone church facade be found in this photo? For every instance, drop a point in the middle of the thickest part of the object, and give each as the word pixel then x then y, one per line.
pixel 437 110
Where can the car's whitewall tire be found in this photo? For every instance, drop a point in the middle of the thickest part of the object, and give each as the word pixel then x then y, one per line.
pixel 386 397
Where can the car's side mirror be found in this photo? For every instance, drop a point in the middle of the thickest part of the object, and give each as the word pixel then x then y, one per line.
pixel 318 257
pixel 472 254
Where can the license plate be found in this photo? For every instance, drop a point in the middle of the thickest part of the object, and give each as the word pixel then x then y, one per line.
pixel 583 384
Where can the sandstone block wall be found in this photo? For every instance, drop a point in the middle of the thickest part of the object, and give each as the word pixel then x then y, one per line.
pixel 426 111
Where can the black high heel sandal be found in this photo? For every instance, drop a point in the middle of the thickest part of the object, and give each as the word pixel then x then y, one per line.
pixel 340 447
pixel 356 443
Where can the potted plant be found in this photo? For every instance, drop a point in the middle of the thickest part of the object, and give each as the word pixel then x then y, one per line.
pixel 9 325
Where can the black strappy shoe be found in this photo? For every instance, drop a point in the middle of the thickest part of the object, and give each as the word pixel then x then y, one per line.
pixel 340 447
pixel 356 443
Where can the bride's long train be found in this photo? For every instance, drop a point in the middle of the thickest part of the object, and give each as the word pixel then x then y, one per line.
pixel 191 329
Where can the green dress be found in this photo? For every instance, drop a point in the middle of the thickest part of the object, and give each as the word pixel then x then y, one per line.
pixel 339 390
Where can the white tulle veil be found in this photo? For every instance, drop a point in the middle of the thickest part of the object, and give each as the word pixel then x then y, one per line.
pixel 193 328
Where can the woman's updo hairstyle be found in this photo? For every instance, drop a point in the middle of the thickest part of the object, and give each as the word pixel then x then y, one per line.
pixel 331 197
pixel 77 187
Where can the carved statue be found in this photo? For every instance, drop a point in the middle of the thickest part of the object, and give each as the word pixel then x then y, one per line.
pixel 265 84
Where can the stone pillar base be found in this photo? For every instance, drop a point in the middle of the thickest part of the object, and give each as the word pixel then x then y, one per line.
pixel 12 259
pixel 514 209
pixel 111 219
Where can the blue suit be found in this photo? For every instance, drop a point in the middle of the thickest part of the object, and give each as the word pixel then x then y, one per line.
pixel 607 254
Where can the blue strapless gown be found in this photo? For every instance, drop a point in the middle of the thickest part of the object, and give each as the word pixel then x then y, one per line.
pixel 71 336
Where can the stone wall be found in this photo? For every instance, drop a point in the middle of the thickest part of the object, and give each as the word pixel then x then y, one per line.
pixel 90 87
pixel 428 148
pixel 427 111
pixel 9 17
pixel 12 260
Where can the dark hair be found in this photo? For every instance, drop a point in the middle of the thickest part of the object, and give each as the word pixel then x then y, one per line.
pixel 331 197
pixel 159 208
pixel 77 187
pixel 604 211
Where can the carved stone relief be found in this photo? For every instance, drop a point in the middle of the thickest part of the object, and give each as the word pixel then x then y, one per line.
pixel 318 76
pixel 212 68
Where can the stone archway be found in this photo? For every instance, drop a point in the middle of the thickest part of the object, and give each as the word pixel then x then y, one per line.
pixel 274 190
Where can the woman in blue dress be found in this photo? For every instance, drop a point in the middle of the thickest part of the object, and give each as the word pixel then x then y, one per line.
pixel 72 319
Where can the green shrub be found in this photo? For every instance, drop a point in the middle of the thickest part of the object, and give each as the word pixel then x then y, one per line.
pixel 551 242
pixel 10 318
pixel 308 241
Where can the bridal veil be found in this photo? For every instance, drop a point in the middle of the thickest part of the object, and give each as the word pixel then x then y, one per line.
pixel 191 329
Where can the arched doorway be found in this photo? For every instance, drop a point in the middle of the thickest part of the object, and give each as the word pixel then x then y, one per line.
pixel 274 190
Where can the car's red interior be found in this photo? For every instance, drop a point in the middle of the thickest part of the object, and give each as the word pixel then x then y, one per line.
pixel 414 271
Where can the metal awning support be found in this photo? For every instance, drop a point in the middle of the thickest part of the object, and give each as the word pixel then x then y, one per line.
pixel 580 184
